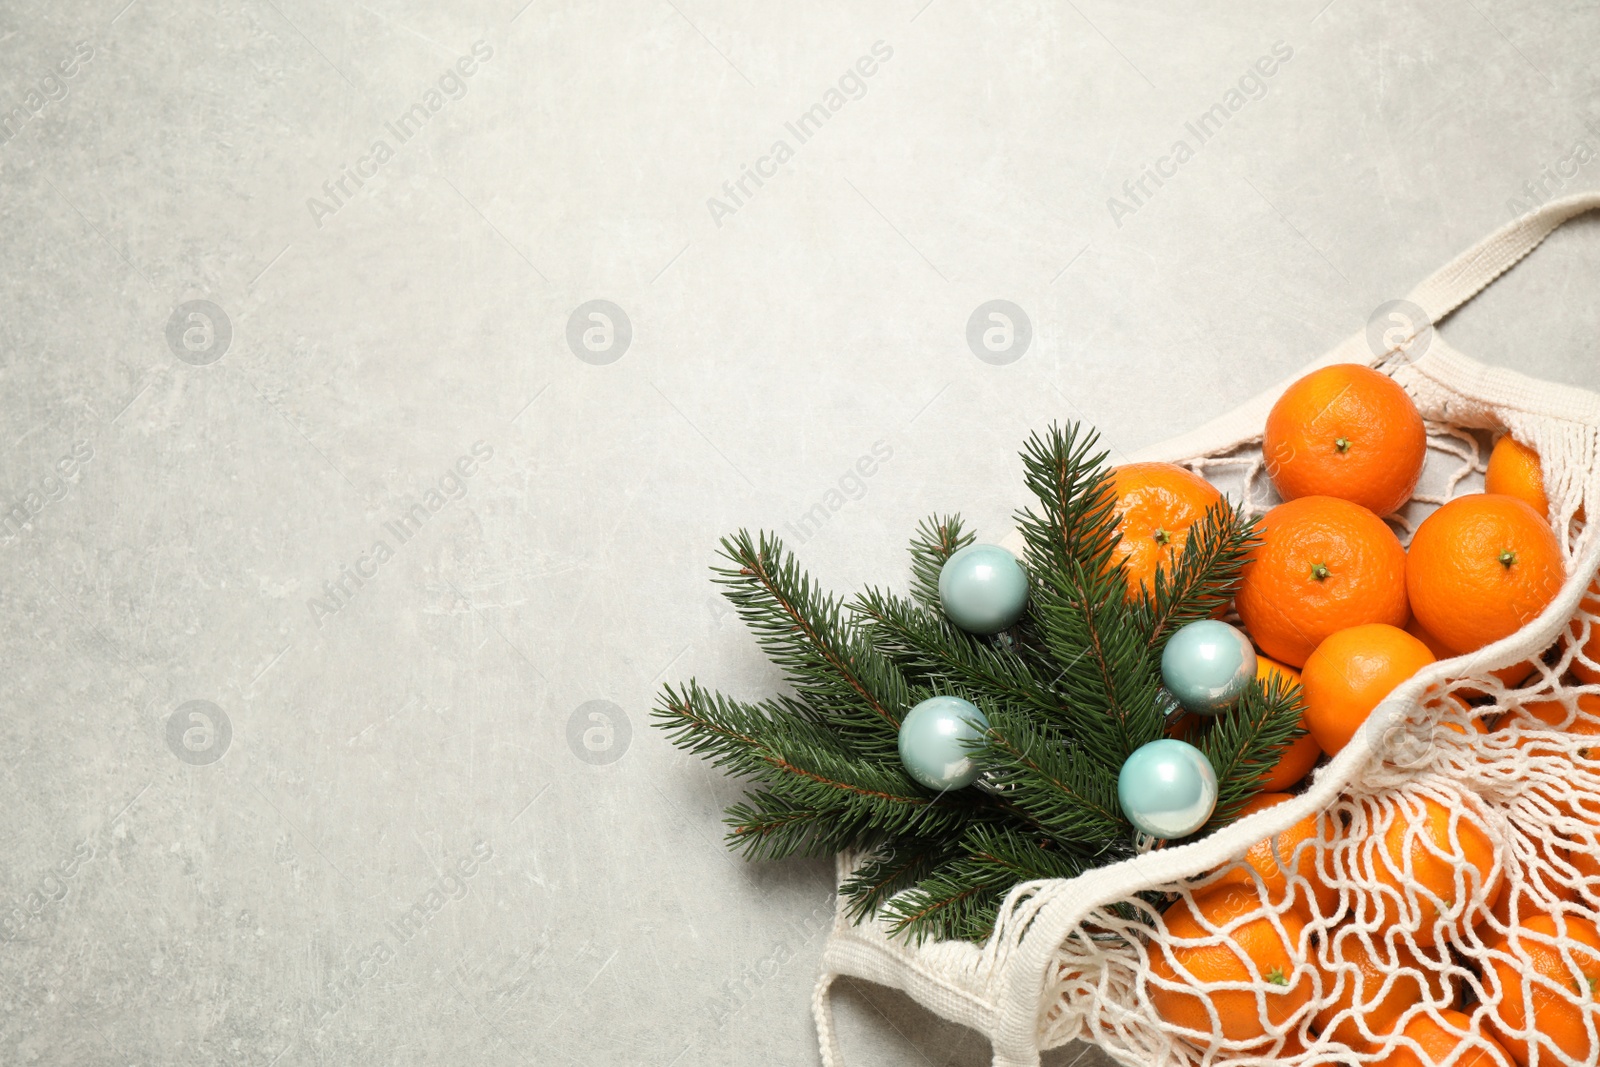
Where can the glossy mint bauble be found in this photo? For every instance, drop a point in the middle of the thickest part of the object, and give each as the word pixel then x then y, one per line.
pixel 1208 665
pixel 1167 789
pixel 933 742
pixel 983 589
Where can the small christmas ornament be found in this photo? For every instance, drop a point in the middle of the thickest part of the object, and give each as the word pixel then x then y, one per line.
pixel 983 589
pixel 1208 665
pixel 933 742
pixel 1167 789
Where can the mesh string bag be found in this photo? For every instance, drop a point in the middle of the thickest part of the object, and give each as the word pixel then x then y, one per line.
pixel 1453 859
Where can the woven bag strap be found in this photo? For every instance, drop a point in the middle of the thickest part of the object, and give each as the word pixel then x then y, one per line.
pixel 1437 296
pixel 1465 276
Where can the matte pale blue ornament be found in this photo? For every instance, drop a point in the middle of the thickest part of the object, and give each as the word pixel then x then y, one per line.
pixel 983 589
pixel 933 742
pixel 1208 665
pixel 1167 789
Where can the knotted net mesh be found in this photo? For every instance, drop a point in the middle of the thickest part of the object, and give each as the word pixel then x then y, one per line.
pixel 1444 906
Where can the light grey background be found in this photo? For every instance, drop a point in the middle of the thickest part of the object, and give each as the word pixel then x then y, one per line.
pixel 163 910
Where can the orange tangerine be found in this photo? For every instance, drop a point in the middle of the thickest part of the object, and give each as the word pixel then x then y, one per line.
pixel 1295 759
pixel 1480 568
pixel 1590 648
pixel 1156 504
pixel 1323 564
pixel 1346 431
pixel 1252 950
pixel 1440 1040
pixel 1390 979
pixel 1419 855
pixel 1349 675
pixel 1295 850
pixel 1510 677
pixel 1514 470
pixel 1522 993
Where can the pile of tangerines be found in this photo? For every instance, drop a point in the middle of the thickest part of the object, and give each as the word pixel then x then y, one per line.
pixel 1334 602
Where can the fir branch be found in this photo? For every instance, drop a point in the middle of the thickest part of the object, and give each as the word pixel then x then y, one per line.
pixel 1076 497
pixel 958 901
pixel 808 813
pixel 893 800
pixel 804 632
pixel 962 898
pixel 938 538
pixel 1202 579
pixel 766 826
pixel 1069 693
pixel 1079 595
pixel 808 773
pixel 929 647
pixel 1242 743
pixel 897 864
pixel 1108 677
pixel 727 732
pixel 1035 772
pixel 1027 858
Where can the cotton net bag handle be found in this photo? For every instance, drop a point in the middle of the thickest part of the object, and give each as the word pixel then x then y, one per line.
pixel 1014 1019
pixel 1470 272
pixel 1434 299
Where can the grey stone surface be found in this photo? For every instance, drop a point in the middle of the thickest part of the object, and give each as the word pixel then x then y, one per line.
pixel 401 849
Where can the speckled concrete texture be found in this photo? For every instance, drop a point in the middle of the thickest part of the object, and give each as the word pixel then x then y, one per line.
pixel 347 539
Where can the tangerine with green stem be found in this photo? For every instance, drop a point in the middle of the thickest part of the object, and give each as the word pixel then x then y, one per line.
pixel 1224 934
pixel 1156 504
pixel 1323 565
pixel 1480 568
pixel 1346 431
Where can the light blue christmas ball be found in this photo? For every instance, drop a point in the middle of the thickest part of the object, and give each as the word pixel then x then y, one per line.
pixel 933 742
pixel 983 589
pixel 1167 789
pixel 1208 665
